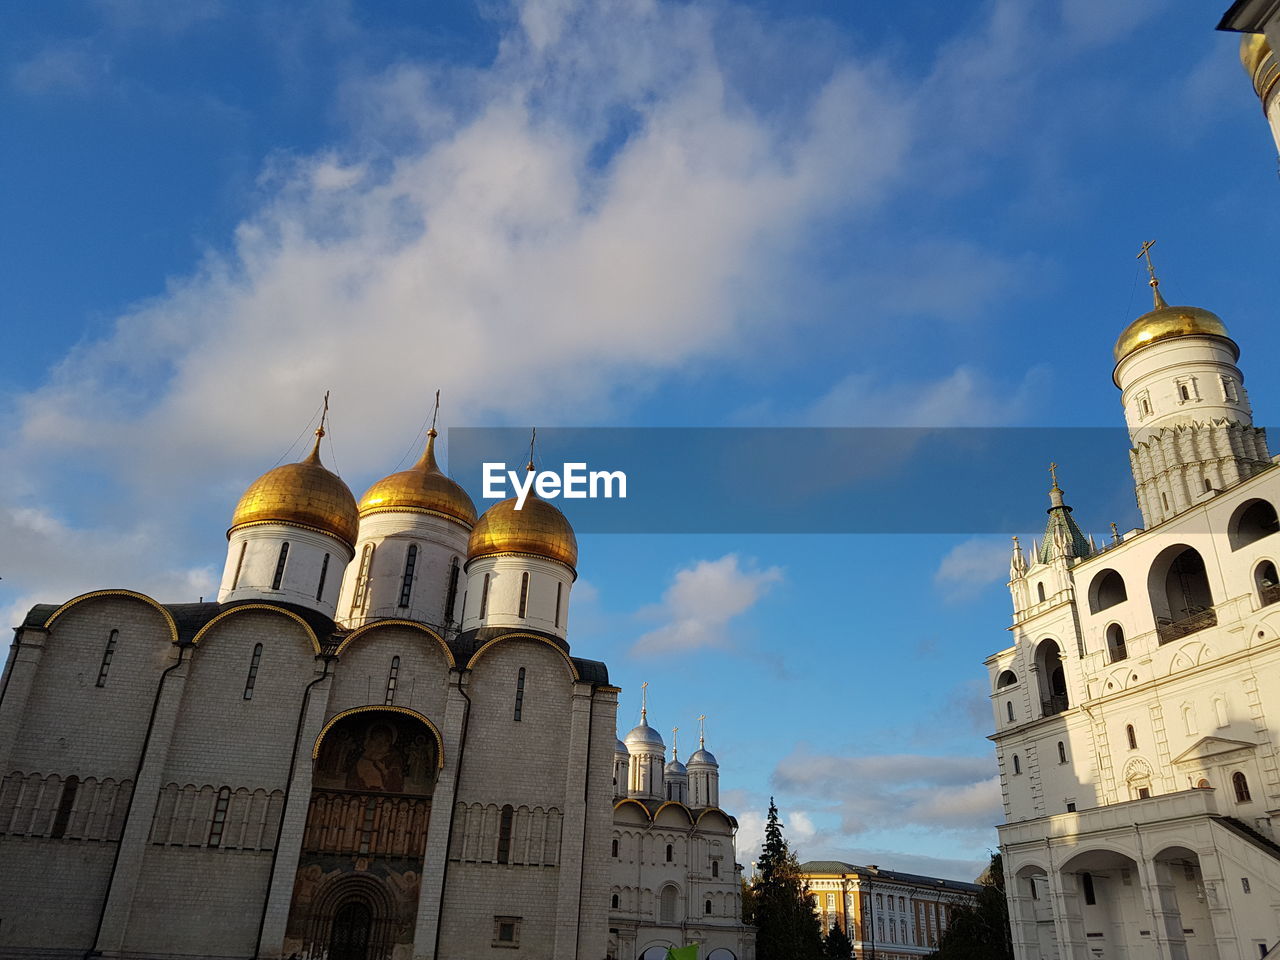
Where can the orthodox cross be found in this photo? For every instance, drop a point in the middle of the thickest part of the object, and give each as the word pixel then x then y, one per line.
pixel 702 730
pixel 434 414
pixel 324 415
pixel 675 743
pixel 533 438
pixel 1053 472
pixel 1146 252
pixel 644 698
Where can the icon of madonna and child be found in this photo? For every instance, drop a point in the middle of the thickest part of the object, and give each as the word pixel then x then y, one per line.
pixel 378 753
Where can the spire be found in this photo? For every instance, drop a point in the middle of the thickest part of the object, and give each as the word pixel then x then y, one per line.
pixel 1115 532
pixel 1153 282
pixel 1062 535
pixel 1017 562
pixel 314 455
pixel 428 459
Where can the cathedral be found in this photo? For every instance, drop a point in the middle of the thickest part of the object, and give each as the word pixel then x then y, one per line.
pixel 376 745
pixel 1138 710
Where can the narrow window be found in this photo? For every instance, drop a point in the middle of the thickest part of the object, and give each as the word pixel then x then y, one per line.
pixel 706 906
pixel 279 577
pixel 112 639
pixel 1040 591
pixel 1244 884
pixel 715 868
pixel 524 593
pixel 1009 709
pixel 669 853
pixel 235 580
pixel 504 835
pixel 1071 808
pixel 1086 881
pixel 1146 407
pixel 1062 752
pixel 1132 737
pixel 1017 765
pixel 392 679
pixel 1241 786
pixel 484 597
pixel 406 585
pixel 253 671
pixel 1164 499
pixel 68 800
pixel 614 902
pixel 615 847
pixel 324 572
pixel 1207 485
pixel 219 816
pixel 362 578
pixel 1144 793
pixel 453 591
pixel 1186 394
pixel 520 693
pixel 559 591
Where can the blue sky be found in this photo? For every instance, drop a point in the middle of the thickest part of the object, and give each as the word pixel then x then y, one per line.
pixel 618 212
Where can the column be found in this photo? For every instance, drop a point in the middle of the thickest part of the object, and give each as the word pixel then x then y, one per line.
pixel 431 891
pixel 294 817
pixel 137 828
pixel 1162 904
pixel 575 825
pixel 1067 921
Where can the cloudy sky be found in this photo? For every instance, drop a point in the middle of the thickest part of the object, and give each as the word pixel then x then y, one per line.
pixel 618 212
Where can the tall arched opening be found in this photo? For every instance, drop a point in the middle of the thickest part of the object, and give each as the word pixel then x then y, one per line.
pixel 356 892
pixel 1180 596
pixel 1052 676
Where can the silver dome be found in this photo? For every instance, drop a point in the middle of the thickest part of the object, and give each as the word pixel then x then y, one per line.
pixel 704 756
pixel 644 735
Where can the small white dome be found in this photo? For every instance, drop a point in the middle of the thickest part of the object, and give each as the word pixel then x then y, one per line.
pixel 676 769
pixel 620 749
pixel 705 757
pixel 645 736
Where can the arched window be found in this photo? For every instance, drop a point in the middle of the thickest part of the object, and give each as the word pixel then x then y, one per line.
pixel 1040 591
pixel 1241 785
pixel 519 693
pixel 559 591
pixel 1164 499
pixel 1202 784
pixel 1180 595
pixel 614 902
pixel 1252 521
pixel 1053 678
pixel 524 593
pixel 1017 765
pixel 1007 678
pixel 361 592
pixel 1062 752
pixel 667 904
pixel 1106 590
pixel 393 678
pixel 1009 709
pixel 615 846
pixel 219 816
pixel 235 580
pixel 1146 407
pixel 715 868
pixel 453 590
pixel 1208 485
pixel 706 907
pixel 504 834
pixel 112 639
pixel 1116 649
pixel 252 679
pixel 324 572
pixel 280 562
pixel 1267 583
pixel 66 803
pixel 484 597
pixel 1182 389
pixel 669 853
pixel 1131 736
pixel 406 582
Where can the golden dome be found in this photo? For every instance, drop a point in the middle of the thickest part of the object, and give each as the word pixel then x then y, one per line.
pixel 423 488
pixel 304 494
pixel 1254 48
pixel 538 528
pixel 1166 322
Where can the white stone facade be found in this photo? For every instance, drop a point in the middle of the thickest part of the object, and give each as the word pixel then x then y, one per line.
pixel 1138 710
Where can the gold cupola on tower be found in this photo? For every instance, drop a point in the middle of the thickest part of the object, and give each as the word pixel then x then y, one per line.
pixel 304 494
pixel 1165 322
pixel 537 529
pixel 423 488
pixel 1259 62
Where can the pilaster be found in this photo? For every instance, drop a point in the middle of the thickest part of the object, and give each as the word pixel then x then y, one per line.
pixel 574 828
pixel 20 674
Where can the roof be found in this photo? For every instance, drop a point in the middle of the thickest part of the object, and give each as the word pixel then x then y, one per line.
pixel 1249 16
pixel 841 867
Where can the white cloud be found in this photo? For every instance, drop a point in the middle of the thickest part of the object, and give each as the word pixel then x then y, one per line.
pixel 971 566
pixel 701 603
pixel 71 67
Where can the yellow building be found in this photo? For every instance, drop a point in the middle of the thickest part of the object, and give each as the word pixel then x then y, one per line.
pixel 887 914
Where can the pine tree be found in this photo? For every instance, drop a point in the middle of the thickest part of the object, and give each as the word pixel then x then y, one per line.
pixel 981 932
pixel 787 927
pixel 838 945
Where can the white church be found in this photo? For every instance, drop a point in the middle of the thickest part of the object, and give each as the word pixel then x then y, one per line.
pixel 376 745
pixel 1138 709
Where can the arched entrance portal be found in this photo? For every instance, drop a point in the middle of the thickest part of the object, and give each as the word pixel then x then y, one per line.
pixel 356 892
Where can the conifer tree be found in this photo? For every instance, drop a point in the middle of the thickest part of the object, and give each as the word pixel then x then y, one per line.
pixel 787 927
pixel 838 945
pixel 981 931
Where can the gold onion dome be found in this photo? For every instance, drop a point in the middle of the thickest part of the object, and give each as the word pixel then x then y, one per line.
pixel 538 529
pixel 1254 49
pixel 1166 322
pixel 423 488
pixel 304 494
